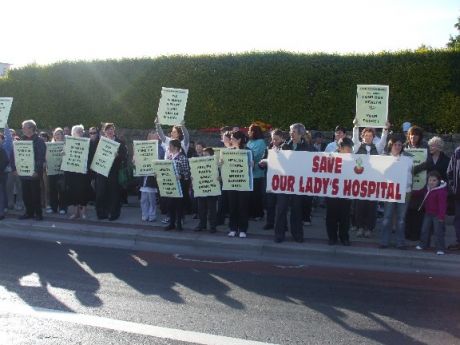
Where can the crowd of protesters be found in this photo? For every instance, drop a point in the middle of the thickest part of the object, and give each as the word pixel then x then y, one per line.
pixel 69 193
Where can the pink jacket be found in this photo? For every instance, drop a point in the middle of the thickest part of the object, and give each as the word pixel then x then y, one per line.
pixel 435 200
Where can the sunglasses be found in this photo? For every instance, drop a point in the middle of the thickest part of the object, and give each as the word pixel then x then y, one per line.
pixel 92 133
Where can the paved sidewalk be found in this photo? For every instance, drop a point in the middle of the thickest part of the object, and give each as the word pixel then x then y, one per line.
pixel 132 233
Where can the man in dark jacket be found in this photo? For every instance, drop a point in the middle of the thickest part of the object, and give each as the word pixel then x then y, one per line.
pixel 291 201
pixel 31 192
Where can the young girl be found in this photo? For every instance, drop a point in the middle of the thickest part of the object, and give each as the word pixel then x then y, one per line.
pixel 148 191
pixel 176 205
pixel 435 205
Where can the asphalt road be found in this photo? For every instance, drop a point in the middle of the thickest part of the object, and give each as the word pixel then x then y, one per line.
pixel 63 294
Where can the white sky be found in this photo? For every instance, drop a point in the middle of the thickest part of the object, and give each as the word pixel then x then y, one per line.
pixel 46 31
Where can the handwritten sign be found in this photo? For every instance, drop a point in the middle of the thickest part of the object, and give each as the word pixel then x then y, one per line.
pixel 145 153
pixel 105 155
pixel 54 157
pixel 168 185
pixel 336 175
pixel 372 105
pixel 75 155
pixel 5 107
pixel 24 157
pixel 236 171
pixel 204 176
pixel 418 156
pixel 217 151
pixel 171 110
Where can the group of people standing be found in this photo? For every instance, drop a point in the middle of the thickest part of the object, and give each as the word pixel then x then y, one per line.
pixel 411 220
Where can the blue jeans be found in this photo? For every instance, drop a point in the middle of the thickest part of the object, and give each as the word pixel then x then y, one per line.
pixel 439 229
pixel 389 209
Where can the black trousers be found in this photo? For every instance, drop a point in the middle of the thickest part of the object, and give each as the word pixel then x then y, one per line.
pixel 176 206
pixel 294 203
pixel 238 203
pixel 270 204
pixel 366 214
pixel 56 189
pixel 31 195
pixel 338 218
pixel 256 198
pixel 222 207
pixel 307 205
pixel 207 210
pixel 108 203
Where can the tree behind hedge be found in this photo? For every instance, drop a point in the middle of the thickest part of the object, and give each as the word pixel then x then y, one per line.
pixel 279 88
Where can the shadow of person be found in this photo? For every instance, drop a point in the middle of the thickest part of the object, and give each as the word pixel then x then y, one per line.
pixel 31 269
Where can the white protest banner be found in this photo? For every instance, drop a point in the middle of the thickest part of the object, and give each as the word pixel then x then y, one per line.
pixel 24 157
pixel 5 107
pixel 365 177
pixel 204 176
pixel 145 152
pixel 372 105
pixel 54 157
pixel 418 156
pixel 236 170
pixel 168 185
pixel 105 155
pixel 75 157
pixel 171 110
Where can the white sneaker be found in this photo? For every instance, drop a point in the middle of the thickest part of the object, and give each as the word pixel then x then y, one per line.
pixel 231 234
pixel 307 223
pixel 49 210
pixel 360 232
pixel 165 220
pixel 419 247
pixel 440 252
pixel 62 212
pixel 243 235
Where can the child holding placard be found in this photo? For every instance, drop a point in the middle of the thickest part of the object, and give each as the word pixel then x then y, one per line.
pixel 176 205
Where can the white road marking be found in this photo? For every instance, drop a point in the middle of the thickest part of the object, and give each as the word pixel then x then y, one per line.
pixel 124 326
pixel 289 267
pixel 178 257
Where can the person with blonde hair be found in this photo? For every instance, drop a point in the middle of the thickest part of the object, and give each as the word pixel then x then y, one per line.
pixel 56 183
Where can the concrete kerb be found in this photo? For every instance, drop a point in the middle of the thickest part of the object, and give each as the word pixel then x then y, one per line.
pixel 202 244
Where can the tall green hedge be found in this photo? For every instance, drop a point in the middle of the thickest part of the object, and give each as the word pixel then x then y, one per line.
pixel 278 88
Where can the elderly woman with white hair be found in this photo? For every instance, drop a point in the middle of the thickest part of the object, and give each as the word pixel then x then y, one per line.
pixel 78 186
pixel 437 160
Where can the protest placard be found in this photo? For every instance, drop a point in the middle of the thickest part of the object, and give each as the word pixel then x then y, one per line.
pixel 168 185
pixel 106 152
pixel 145 152
pixel 365 177
pixel 5 108
pixel 236 170
pixel 24 157
pixel 204 176
pixel 54 157
pixel 418 156
pixel 171 110
pixel 75 157
pixel 372 105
